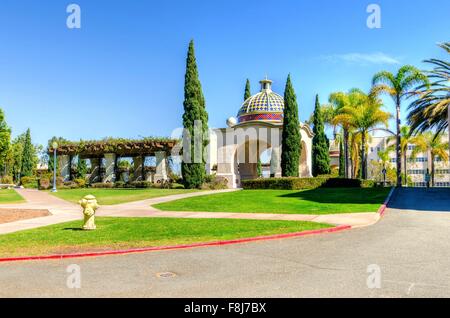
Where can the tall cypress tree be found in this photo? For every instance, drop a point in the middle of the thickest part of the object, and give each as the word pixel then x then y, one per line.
pixel 341 160
pixel 291 138
pixel 27 156
pixel 193 167
pixel 5 141
pixel 320 149
pixel 248 92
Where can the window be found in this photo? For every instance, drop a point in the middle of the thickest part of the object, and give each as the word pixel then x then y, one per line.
pixel 416 171
pixel 442 171
pixel 418 159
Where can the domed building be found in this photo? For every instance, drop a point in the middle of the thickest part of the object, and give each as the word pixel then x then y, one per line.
pixel 265 106
pixel 253 137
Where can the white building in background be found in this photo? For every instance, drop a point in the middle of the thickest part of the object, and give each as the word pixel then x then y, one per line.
pixel 255 136
pixel 416 168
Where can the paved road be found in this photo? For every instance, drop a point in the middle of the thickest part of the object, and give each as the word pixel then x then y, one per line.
pixel 411 248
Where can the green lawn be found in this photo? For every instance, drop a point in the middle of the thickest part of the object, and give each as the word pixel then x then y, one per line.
pixel 317 201
pixel 116 196
pixel 10 196
pixel 119 233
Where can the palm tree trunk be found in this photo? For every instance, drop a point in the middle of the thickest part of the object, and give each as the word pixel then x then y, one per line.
pixel 363 155
pixel 432 170
pixel 346 153
pixel 405 171
pixel 398 156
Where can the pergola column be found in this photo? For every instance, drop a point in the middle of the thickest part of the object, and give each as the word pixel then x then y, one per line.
pixel 149 175
pixel 116 168
pixel 138 166
pixel 110 168
pixel 161 166
pixel 275 162
pixel 95 170
pixel 64 167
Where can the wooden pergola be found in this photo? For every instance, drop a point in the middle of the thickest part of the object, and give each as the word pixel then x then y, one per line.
pixel 112 150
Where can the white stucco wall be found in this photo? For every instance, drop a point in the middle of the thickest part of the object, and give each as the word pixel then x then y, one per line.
pixel 228 146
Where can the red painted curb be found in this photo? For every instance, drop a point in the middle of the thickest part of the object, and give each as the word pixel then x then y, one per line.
pixel 382 209
pixel 177 247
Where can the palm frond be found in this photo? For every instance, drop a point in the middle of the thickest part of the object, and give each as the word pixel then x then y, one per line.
pixel 430 110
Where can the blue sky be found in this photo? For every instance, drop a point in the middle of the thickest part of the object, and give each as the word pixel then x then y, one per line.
pixel 122 73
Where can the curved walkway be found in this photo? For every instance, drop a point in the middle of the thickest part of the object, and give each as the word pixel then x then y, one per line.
pixel 61 211
pixel 64 211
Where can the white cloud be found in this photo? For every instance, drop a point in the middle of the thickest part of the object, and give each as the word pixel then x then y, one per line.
pixel 364 58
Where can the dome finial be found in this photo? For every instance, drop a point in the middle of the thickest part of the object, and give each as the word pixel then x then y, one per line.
pixel 266 85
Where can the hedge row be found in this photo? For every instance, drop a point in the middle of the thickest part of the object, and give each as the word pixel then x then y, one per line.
pixel 305 183
pixel 284 183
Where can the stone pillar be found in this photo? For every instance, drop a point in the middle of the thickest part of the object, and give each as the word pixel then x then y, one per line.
pixel 161 167
pixel 110 168
pixel 227 165
pixel 138 164
pixel 95 170
pixel 149 176
pixel 64 167
pixel 275 162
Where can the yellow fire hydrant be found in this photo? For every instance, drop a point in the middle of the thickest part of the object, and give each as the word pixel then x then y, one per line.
pixel 89 205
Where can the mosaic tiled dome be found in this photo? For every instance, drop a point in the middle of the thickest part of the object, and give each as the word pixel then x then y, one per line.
pixel 265 106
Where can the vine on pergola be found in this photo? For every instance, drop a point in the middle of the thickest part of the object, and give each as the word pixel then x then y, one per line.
pixel 119 146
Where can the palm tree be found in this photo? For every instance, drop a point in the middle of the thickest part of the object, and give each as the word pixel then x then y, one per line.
pixel 363 116
pixel 384 157
pixel 339 101
pixel 431 109
pixel 433 145
pixel 355 140
pixel 406 139
pixel 398 87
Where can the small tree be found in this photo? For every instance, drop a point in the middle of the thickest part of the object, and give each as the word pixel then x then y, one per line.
pixel 259 168
pixel 291 138
pixel 82 168
pixel 435 147
pixel 320 149
pixel 341 160
pixel 5 141
pixel 247 93
pixel 194 112
pixel 28 156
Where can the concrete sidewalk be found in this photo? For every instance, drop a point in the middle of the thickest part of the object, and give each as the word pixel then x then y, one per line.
pixel 63 211
pixel 145 209
pixel 352 219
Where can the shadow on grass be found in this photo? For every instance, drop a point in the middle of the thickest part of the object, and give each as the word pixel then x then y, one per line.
pixel 421 199
pixel 342 195
pixel 73 229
